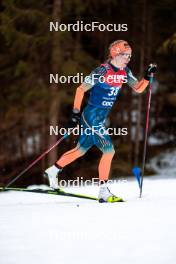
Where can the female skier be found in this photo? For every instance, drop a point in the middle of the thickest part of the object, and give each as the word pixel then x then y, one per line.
pixel 104 84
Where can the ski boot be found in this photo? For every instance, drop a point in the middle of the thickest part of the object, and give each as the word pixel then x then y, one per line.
pixel 105 196
pixel 52 174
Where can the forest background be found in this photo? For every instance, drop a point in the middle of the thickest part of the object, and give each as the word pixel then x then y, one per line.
pixel 29 104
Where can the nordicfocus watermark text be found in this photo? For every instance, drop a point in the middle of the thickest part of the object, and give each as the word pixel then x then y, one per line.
pixel 94 130
pixel 81 26
pixel 81 182
pixel 93 78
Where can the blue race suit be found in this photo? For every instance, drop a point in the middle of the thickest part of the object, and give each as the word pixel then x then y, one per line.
pixel 104 83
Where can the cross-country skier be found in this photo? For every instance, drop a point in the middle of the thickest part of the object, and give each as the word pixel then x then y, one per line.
pixel 104 84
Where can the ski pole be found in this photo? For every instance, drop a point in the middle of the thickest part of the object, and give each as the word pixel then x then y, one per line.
pixel 36 160
pixel 146 133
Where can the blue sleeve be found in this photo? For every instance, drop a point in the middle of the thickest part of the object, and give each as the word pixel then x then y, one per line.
pixel 131 79
pixel 94 76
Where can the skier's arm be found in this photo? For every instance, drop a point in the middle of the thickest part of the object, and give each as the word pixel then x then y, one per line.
pixel 140 86
pixel 79 97
pixel 76 114
pixel 137 86
pixel 88 83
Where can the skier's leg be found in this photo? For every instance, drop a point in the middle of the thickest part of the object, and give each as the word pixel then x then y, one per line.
pixel 105 165
pixel 104 143
pixel 105 194
pixel 84 143
pixel 70 156
pixel 107 148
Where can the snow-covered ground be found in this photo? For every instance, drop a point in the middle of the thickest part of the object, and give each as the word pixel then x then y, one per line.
pixel 39 228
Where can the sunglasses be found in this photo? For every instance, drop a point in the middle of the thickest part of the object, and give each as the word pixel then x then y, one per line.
pixel 126 55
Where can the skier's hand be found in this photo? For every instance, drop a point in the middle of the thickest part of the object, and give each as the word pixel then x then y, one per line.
pixel 152 68
pixel 75 119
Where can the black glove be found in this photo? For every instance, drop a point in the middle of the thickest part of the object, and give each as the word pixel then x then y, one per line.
pixel 75 119
pixel 152 68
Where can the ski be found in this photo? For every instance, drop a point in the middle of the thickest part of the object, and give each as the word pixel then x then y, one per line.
pixel 52 192
pixel 56 192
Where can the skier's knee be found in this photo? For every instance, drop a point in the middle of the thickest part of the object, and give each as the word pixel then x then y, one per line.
pixel 82 152
pixel 112 152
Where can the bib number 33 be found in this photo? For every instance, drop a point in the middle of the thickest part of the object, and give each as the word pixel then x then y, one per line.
pixel 113 91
